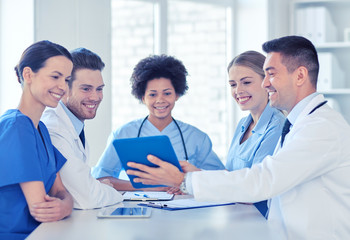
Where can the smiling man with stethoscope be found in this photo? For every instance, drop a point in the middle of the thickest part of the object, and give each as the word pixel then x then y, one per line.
pixel 159 81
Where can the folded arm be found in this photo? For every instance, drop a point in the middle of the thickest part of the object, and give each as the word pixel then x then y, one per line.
pixel 47 208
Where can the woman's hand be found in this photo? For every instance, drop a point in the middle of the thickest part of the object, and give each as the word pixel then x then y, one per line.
pixel 45 208
pixel 175 190
pixel 53 209
pixel 106 181
pixel 188 167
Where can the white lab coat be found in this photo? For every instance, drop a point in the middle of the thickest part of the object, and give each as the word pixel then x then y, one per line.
pixel 308 179
pixel 87 192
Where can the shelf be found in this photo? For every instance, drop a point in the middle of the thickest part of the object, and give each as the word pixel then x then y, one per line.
pixel 327 19
pixel 307 2
pixel 333 45
pixel 342 91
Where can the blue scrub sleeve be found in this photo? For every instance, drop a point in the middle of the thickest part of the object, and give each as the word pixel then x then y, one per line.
pixel 18 151
pixel 207 158
pixel 60 159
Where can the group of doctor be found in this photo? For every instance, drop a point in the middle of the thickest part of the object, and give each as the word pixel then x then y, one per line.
pixel 45 172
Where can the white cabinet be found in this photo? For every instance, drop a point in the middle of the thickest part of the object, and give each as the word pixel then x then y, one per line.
pixel 327 24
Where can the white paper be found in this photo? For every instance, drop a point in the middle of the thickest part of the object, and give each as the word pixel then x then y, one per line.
pixel 140 195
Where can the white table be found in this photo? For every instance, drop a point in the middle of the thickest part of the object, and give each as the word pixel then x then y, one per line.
pixel 237 221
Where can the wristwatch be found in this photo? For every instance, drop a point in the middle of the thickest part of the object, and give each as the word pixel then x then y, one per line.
pixel 183 185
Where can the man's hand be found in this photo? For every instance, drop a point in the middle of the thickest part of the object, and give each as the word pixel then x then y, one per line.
pixel 165 174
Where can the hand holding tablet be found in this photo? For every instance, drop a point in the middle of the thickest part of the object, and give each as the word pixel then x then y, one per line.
pixel 137 149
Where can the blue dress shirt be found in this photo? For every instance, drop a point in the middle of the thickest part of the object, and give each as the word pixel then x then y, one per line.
pixel 78 125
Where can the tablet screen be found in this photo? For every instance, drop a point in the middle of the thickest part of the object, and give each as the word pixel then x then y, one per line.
pixel 124 212
pixel 129 211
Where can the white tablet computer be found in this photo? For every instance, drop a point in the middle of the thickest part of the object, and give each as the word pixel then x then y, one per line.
pixel 124 212
pixel 137 149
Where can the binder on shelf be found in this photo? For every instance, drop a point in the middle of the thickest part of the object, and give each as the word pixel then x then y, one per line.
pixel 330 75
pixel 325 30
pixel 310 24
pixel 300 20
pixel 315 23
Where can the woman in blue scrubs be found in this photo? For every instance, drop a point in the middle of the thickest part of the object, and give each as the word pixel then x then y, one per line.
pixel 30 187
pixel 158 82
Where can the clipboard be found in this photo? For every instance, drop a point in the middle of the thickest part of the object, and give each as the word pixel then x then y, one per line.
pixel 137 149
pixel 183 204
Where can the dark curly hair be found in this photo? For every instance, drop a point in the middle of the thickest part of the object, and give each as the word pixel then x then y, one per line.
pixel 158 66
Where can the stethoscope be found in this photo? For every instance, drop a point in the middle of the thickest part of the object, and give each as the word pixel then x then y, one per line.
pixel 178 127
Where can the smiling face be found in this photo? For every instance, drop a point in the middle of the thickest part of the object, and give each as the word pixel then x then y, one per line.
pixel 86 93
pixel 160 98
pixel 48 85
pixel 246 89
pixel 279 83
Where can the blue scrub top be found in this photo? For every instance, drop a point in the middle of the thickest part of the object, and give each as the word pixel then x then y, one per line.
pixel 261 143
pixel 198 145
pixel 25 155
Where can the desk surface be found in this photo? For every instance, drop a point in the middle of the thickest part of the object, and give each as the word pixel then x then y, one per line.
pixel 237 221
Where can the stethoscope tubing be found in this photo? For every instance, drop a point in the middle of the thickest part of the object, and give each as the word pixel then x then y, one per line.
pixel 178 127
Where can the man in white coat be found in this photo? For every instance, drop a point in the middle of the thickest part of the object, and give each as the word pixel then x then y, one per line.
pixel 308 177
pixel 66 127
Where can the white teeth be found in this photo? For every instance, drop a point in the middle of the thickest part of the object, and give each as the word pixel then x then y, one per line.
pixel 243 99
pixel 90 106
pixel 56 95
pixel 271 93
pixel 160 108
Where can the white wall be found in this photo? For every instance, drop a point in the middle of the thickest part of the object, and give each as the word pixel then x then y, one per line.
pixel 278 18
pixel 252 29
pixel 251 32
pixel 15 36
pixel 82 23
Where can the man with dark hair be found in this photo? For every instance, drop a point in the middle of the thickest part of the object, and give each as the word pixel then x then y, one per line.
pixel 308 177
pixel 66 127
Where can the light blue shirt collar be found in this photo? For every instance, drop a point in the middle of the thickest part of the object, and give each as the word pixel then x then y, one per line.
pixel 293 115
pixel 262 123
pixel 78 125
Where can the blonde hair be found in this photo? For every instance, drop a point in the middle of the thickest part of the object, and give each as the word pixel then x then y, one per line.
pixel 251 59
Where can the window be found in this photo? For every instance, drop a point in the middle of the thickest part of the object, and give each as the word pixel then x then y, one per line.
pixel 194 32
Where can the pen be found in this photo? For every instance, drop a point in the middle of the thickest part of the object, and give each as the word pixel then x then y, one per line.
pixel 141 195
pixel 143 199
pixel 156 205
